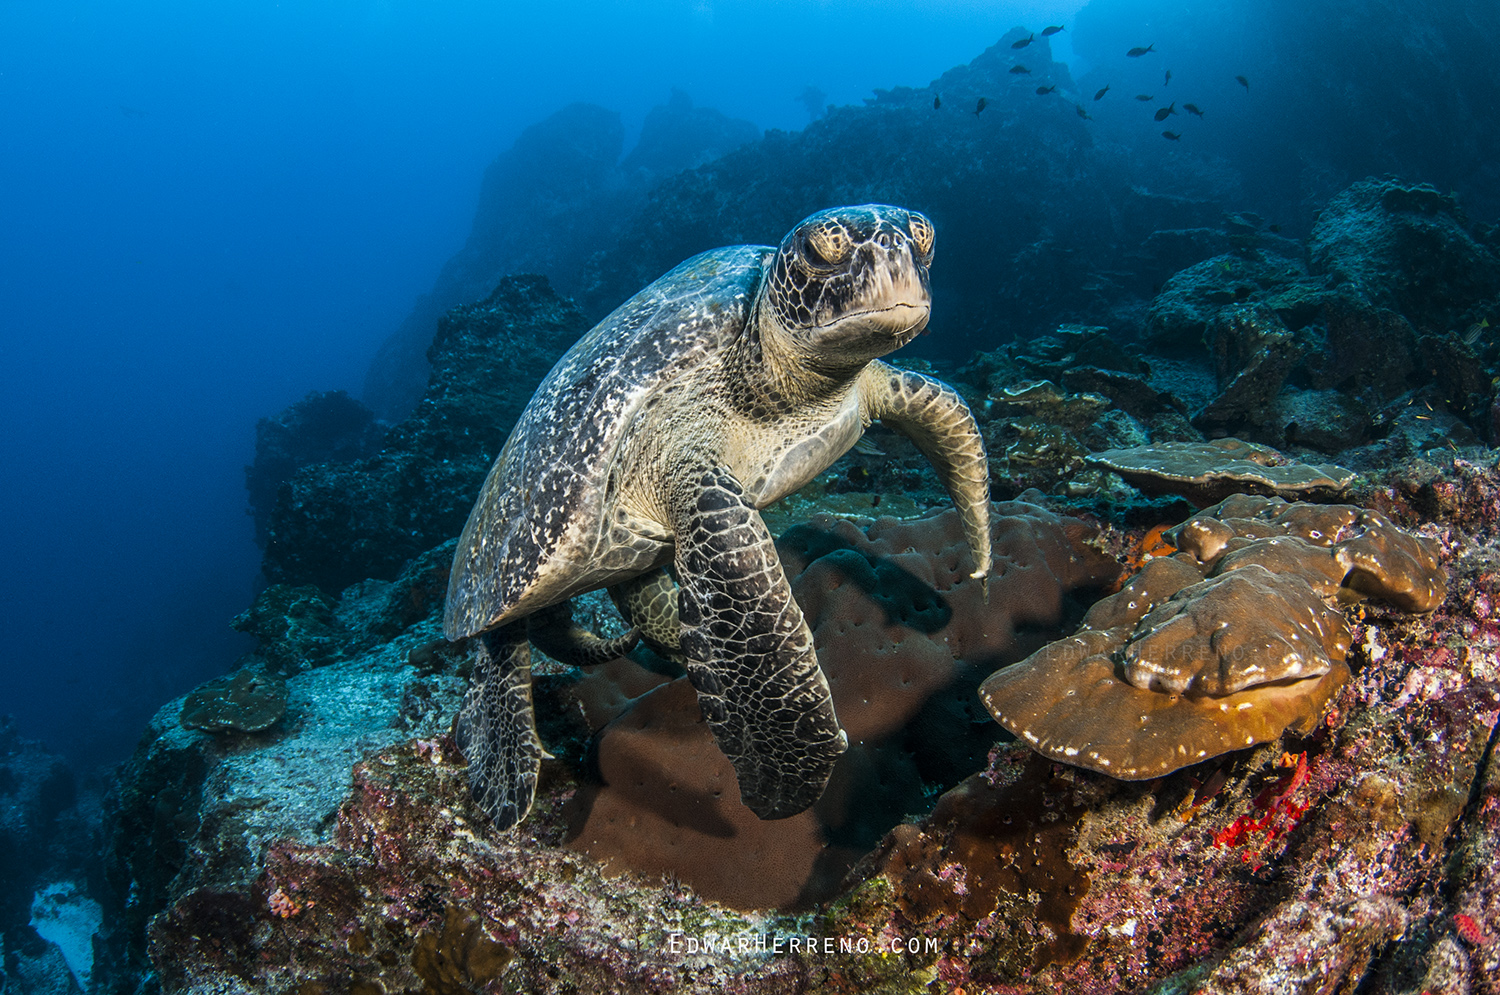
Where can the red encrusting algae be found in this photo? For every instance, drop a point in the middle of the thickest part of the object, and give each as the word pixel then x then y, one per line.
pixel 1279 813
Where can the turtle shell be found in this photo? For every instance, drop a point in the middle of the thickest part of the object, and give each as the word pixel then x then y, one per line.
pixel 539 532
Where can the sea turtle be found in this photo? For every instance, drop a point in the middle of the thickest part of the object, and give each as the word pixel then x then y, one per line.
pixel 724 386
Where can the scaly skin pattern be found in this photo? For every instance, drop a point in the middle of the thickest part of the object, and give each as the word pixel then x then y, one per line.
pixel 939 423
pixel 496 727
pixel 650 603
pixel 721 388
pixel 553 631
pixel 749 652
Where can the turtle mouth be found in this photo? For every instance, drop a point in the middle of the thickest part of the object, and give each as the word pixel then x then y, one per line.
pixel 917 314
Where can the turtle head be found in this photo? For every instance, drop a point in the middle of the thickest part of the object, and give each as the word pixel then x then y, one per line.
pixel 850 284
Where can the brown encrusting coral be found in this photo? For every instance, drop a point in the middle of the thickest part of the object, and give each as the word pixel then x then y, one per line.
pixel 1206 472
pixel 1229 642
pixel 247 700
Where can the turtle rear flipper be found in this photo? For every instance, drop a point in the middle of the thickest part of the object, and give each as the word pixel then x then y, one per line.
pixel 495 729
pixel 649 603
pixel 749 652
pixel 553 631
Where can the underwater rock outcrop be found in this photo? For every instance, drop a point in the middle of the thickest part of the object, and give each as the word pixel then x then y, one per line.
pixel 323 427
pixel 338 523
pixel 1389 314
pixel 1407 248
pixel 195 810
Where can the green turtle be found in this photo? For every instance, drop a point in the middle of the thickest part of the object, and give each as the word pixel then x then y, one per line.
pixel 724 386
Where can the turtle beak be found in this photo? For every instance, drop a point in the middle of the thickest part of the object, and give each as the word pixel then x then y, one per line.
pixel 884 328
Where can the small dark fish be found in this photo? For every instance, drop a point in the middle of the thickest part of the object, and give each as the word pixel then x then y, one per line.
pixel 1083 113
pixel 1018 69
pixel 1042 91
pixel 1167 78
pixel 1101 93
pixel 1192 109
pixel 1166 112
pixel 1143 97
pixel 1274 228
pixel 1048 32
pixel 1242 81
pixel 1136 53
pixel 937 101
pixel 1171 136
pixel 1023 42
pixel 979 107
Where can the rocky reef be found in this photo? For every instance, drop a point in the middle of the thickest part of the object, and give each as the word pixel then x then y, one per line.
pixel 336 523
pixel 46 827
pixel 324 427
pixel 1323 677
pixel 1271 868
pixel 1387 315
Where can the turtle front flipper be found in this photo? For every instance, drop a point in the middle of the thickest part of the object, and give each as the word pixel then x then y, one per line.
pixel 749 652
pixel 496 730
pixel 940 424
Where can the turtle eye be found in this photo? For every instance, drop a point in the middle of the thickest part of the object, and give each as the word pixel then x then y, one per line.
pixel 826 245
pixel 921 233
